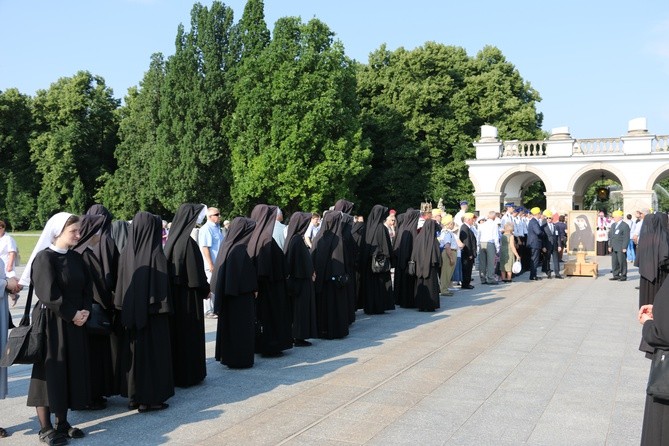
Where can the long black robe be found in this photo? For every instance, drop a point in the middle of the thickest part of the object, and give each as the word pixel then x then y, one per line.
pixel 350 255
pixel 188 287
pixel 300 277
pixel 273 313
pixel 376 288
pixel 103 381
pixel 653 262
pixel 358 235
pixel 655 333
pixel 63 286
pixel 404 287
pixel 142 295
pixel 328 254
pixel 427 256
pixel 234 283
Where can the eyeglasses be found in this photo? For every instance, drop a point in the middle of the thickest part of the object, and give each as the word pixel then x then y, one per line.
pixel 215 215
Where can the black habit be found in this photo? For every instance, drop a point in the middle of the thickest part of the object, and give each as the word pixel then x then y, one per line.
pixel 376 288
pixel 63 286
pixel 103 382
pixel 142 295
pixel 273 312
pixel 300 277
pixel 351 253
pixel 427 256
pixel 188 288
pixel 328 254
pixel 405 283
pixel 235 284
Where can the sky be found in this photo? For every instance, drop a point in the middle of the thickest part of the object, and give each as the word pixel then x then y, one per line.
pixel 596 64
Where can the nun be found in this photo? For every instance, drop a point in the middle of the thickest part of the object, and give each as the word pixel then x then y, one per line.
pixel 376 287
pixel 273 314
pixel 142 295
pixel 188 289
pixel 404 287
pixel 235 285
pixel 427 257
pixel 350 255
pixel 300 280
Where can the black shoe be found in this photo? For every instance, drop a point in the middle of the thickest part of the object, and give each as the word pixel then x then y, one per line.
pixel 536 278
pixel 623 279
pixel 302 343
pixel 467 287
pixel 559 277
pixel 614 278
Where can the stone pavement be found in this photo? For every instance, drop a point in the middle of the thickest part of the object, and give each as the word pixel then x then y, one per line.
pixel 553 362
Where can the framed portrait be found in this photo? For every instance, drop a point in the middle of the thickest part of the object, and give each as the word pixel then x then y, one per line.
pixel 581 229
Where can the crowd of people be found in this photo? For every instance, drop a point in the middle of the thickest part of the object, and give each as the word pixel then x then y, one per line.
pixel 270 286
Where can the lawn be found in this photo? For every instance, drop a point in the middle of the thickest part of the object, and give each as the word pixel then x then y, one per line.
pixel 25 241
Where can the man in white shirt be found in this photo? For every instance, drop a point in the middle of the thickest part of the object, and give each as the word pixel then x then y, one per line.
pixel 488 233
pixel 209 239
pixel 458 218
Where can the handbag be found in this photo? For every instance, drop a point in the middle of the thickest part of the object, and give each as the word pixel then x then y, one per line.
pixel 25 343
pixel 380 263
pixel 516 268
pixel 98 322
pixel 658 380
pixel 411 268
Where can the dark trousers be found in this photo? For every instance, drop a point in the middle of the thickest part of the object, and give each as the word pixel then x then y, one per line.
pixel 551 263
pixel 467 266
pixel 619 264
pixel 534 263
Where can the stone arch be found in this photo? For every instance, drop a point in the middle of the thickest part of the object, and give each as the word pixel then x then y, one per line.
pixel 658 175
pixel 591 173
pixel 511 182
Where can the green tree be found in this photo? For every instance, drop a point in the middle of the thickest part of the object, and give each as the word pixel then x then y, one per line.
pixel 422 109
pixel 19 182
pixel 74 141
pixel 130 189
pixel 296 137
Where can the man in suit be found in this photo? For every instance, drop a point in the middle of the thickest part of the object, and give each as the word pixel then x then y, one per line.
pixel 552 247
pixel 535 241
pixel 468 238
pixel 619 238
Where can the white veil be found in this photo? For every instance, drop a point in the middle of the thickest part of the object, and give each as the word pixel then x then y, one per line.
pixel 51 230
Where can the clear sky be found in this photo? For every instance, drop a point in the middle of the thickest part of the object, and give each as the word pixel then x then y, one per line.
pixel 597 64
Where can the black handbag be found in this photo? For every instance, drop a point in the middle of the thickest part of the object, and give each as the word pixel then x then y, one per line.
pixel 26 343
pixel 98 322
pixel 658 380
pixel 380 263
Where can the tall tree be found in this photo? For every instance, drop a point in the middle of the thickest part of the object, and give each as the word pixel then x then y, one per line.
pixel 192 156
pixel 422 109
pixel 76 130
pixel 130 188
pixel 19 183
pixel 296 138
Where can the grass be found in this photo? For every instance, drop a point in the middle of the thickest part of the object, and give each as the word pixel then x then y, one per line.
pixel 25 241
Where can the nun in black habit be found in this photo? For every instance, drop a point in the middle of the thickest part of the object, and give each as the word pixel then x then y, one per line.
pixel 427 256
pixel 273 312
pixel 329 257
pixel 376 287
pixel 142 295
pixel 235 285
pixel 300 280
pixel 351 252
pixel 119 233
pixel 653 262
pixel 405 284
pixel 103 382
pixel 655 332
pixel 188 288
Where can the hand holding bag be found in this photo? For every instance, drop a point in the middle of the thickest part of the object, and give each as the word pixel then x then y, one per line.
pixel 658 380
pixel 98 322
pixel 25 343
pixel 380 263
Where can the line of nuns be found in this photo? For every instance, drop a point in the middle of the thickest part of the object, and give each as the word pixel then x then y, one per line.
pixel 267 299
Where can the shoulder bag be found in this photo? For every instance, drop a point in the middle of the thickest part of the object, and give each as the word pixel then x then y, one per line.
pixel 658 380
pixel 98 322
pixel 25 343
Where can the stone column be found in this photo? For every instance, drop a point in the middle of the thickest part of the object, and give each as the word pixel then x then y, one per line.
pixel 488 201
pixel 637 141
pixel 489 147
pixel 560 144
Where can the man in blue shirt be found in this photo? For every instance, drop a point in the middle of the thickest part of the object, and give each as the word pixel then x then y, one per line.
pixel 209 239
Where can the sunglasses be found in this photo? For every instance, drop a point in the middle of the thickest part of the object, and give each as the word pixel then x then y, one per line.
pixel 215 215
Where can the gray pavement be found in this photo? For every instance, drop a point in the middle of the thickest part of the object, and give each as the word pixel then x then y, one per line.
pixel 554 362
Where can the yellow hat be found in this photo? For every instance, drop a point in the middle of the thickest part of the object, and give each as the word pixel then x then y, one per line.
pixel 446 219
pixel 618 213
pixel 469 215
pixel 436 211
pixel 547 214
pixel 535 211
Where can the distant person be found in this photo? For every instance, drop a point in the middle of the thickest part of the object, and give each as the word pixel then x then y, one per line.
pixel 8 255
pixel 619 238
pixel 312 230
pixel 7 285
pixel 209 239
pixel 279 232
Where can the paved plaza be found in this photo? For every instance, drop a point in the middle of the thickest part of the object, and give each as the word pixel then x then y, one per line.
pixel 554 362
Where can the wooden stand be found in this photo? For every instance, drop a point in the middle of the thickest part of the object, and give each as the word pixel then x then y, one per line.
pixel 580 267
